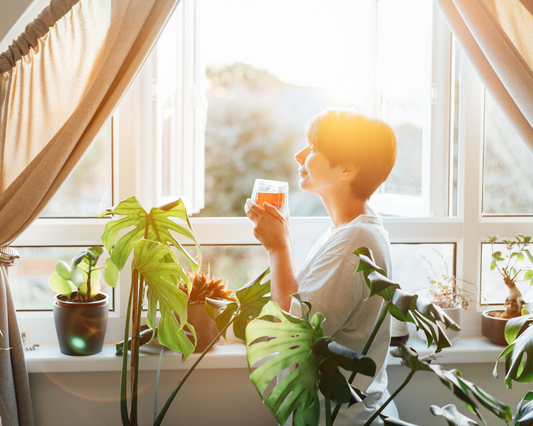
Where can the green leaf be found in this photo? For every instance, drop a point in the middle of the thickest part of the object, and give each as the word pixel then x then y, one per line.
pixel 404 306
pixel 452 415
pixel 496 255
pixel 529 256
pixel 410 358
pixel 77 277
pixel 157 225
pixel 95 274
pixel 252 297
pixel 63 270
pixel 332 383
pixel 466 391
pixel 293 341
pixel 110 273
pixel 520 257
pixel 528 275
pixel 97 251
pixel 60 285
pixel 514 325
pixel 518 357
pixel 469 393
pixel 493 265
pixel 524 413
pixel 160 277
pixel 95 288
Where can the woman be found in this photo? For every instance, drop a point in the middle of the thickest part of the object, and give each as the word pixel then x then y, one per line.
pixel 348 156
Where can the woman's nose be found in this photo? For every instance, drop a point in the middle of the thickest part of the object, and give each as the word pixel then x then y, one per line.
pixel 300 156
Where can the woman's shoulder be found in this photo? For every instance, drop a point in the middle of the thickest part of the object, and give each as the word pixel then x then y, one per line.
pixel 364 231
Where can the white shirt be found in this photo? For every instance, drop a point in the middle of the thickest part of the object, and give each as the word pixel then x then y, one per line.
pixel 328 281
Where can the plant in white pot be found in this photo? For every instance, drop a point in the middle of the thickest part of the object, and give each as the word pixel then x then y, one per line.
pixel 512 269
pixel 80 309
pixel 445 293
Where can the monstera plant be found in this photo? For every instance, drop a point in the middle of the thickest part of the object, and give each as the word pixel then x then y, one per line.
pixel 250 300
pixel 315 359
pixel 156 274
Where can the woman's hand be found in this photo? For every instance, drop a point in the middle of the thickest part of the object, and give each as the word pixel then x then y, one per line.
pixel 271 228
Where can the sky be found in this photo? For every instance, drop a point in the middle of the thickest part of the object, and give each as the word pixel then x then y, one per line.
pixel 322 43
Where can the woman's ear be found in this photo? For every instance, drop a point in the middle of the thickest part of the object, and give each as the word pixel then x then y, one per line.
pixel 349 171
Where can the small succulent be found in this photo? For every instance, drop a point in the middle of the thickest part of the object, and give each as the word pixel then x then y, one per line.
pixel 203 287
pixel 82 275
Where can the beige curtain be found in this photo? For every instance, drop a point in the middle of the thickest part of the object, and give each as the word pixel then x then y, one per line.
pixel 60 82
pixel 497 36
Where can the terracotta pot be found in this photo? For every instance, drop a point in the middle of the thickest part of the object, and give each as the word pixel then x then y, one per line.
pixel 204 325
pixel 494 328
pixel 81 326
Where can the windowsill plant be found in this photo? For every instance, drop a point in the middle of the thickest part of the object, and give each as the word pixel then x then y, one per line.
pixel 445 293
pixel 507 264
pixel 80 309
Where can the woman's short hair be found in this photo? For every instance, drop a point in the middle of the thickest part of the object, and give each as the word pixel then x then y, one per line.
pixel 348 136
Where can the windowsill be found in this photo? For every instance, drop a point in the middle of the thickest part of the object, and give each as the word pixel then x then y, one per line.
pixel 48 358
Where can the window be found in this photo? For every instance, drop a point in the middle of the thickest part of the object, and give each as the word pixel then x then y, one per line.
pixel 396 60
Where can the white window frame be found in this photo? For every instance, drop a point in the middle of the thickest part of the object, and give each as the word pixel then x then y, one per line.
pixel 134 126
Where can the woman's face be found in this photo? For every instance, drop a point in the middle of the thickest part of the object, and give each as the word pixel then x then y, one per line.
pixel 316 175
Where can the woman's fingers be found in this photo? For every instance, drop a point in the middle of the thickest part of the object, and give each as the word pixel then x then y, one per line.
pixel 251 209
pixel 273 211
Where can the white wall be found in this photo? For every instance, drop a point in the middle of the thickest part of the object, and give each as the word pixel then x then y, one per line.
pixel 227 397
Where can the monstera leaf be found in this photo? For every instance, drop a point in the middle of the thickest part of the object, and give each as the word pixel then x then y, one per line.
pixel 518 356
pixel 405 306
pixel 301 344
pixel 466 391
pixel 524 414
pixel 154 226
pixel 250 300
pixel 161 289
pixel 452 415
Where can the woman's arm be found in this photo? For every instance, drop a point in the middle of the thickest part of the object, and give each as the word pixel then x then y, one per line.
pixel 272 231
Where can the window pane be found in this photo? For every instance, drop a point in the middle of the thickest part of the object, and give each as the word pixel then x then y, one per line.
pixel 402 100
pixel 264 85
pixel 88 190
pixel 414 265
pixel 493 289
pixel 29 277
pixel 235 264
pixel 506 167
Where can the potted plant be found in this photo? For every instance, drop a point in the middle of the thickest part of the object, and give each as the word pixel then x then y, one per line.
pixel 315 359
pixel 197 314
pixel 445 293
pixel 80 309
pixel 507 264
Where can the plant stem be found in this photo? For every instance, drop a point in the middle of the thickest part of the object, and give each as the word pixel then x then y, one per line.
pixel 327 403
pixel 134 347
pixel 189 371
pixel 381 318
pixel 396 392
pixel 136 342
pixel 124 373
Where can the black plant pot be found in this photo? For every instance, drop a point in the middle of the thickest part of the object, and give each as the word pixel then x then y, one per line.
pixel 81 326
pixel 494 328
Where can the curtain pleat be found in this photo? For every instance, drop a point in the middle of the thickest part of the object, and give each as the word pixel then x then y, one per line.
pixel 504 70
pixel 61 82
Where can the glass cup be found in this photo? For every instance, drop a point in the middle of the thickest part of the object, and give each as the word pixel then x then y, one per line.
pixel 273 192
